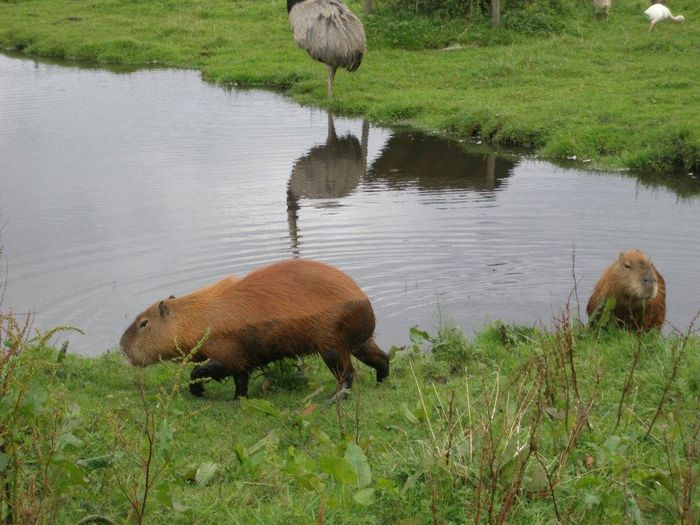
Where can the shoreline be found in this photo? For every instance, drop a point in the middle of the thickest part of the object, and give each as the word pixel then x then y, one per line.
pixel 560 96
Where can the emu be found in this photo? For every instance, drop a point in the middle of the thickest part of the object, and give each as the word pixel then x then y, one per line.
pixel 658 12
pixel 329 32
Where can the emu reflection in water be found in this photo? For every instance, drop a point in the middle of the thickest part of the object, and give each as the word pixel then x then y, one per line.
pixel 328 171
pixel 432 163
pixel 408 160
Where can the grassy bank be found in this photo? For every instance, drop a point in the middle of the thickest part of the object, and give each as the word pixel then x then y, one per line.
pixel 563 81
pixel 516 425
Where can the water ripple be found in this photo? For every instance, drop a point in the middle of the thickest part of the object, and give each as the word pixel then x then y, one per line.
pixel 121 189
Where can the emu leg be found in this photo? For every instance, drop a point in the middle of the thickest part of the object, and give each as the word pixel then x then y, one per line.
pixel 331 78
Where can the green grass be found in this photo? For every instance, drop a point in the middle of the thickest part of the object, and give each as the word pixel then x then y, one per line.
pixel 559 80
pixel 413 450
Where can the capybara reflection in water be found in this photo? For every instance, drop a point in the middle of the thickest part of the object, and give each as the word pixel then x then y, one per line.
pixel 638 291
pixel 284 310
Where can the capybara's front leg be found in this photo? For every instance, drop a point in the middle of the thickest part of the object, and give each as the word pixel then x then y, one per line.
pixel 210 370
pixel 339 363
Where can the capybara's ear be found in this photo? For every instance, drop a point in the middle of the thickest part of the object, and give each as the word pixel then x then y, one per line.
pixel 164 310
pixel 171 297
pixel 621 258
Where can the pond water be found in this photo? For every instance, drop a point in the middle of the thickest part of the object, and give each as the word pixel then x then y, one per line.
pixel 118 189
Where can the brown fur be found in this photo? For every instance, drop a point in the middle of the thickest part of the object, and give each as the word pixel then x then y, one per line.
pixel 287 309
pixel 638 288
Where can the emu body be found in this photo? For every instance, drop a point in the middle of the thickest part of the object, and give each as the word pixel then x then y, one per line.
pixel 330 33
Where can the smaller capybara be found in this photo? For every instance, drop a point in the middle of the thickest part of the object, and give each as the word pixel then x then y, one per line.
pixel 638 290
pixel 284 310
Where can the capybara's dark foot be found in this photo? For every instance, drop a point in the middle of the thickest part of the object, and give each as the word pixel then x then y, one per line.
pixel 210 370
pixel 241 380
pixel 197 388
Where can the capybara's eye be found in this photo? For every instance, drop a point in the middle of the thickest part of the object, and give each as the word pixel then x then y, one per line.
pixel 628 265
pixel 143 323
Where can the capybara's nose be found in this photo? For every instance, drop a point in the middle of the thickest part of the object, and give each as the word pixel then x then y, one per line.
pixel 123 348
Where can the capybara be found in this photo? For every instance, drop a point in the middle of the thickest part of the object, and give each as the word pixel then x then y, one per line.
pixel 287 309
pixel 638 290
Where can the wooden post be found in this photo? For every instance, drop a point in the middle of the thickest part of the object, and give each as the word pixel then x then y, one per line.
pixel 367 6
pixel 495 13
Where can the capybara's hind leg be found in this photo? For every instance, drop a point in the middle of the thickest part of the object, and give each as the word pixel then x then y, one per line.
pixel 339 363
pixel 210 370
pixel 371 355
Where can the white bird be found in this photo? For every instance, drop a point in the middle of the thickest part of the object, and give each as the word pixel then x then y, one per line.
pixel 329 32
pixel 602 4
pixel 658 12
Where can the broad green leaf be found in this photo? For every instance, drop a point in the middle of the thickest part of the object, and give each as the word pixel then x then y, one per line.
pixel 262 405
pixel 394 350
pixel 408 413
pixel 411 481
pixel 35 398
pixel 72 474
pixel 96 462
pixel 205 473
pixel 321 436
pixel 262 443
pixel 163 495
pixel 241 452
pixel 591 500
pixel 189 473
pixel 662 479
pixel 70 440
pixel 384 484
pixel 177 506
pixel 364 497
pixel 601 317
pixel 633 510
pixel 338 468
pixel 588 481
pixel 535 477
pixel 417 335
pixel 358 461
pixel 165 436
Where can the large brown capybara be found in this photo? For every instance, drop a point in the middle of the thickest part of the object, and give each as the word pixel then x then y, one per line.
pixel 287 309
pixel 638 291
